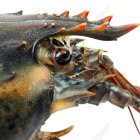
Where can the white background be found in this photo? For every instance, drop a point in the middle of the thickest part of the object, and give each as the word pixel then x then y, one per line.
pixel 104 122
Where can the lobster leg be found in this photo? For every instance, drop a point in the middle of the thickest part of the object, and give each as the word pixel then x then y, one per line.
pixel 122 82
pixel 67 97
pixel 114 94
pixel 119 79
pixel 53 135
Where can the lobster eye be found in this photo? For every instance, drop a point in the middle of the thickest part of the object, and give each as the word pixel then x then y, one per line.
pixel 52 51
pixel 62 57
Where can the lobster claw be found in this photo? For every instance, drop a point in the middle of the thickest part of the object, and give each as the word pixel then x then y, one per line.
pixel 69 97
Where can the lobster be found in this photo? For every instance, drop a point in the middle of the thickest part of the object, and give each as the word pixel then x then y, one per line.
pixel 44 70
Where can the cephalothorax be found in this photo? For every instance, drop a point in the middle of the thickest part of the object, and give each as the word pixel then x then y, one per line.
pixel 43 70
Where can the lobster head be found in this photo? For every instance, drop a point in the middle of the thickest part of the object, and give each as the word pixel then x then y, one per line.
pixel 32 47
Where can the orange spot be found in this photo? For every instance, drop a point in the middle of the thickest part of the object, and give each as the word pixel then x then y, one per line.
pixel 62 30
pixel 102 27
pixel 80 27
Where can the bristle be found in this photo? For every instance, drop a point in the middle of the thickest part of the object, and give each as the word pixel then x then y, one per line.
pixel 82 15
pixel 79 27
pixel 101 27
pixel 65 14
